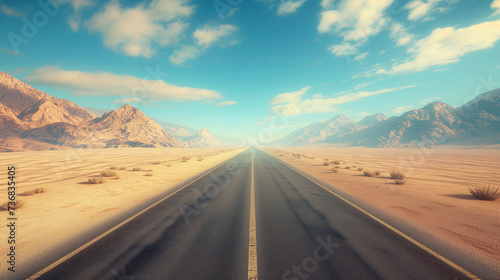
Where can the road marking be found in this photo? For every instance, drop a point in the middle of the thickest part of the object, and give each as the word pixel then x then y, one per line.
pixel 61 260
pixel 421 246
pixel 252 243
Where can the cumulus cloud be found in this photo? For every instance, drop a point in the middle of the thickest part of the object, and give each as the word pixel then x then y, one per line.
pixel 109 84
pixel 77 5
pixel 226 103
pixel 139 30
pixel 289 6
pixel 495 5
pixel 209 35
pixel 204 38
pixel 423 9
pixel 447 45
pixel 321 104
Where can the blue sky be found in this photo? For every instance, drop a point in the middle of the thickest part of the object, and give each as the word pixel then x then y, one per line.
pixel 243 67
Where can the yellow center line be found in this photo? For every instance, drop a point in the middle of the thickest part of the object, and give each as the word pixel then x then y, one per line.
pixel 252 243
pixel 63 259
pixel 425 248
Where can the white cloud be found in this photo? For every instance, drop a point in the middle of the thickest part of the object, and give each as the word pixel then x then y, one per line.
pixel 495 5
pixel 127 100
pixel 361 56
pixel 77 5
pixel 316 105
pixel 208 35
pixel 422 9
pixel 400 35
pixel 289 6
pixel 355 19
pixel 343 49
pixel 138 31
pixel 446 45
pixel 183 54
pixel 289 97
pixel 10 11
pixel 327 4
pixel 402 109
pixel 226 103
pixel 80 83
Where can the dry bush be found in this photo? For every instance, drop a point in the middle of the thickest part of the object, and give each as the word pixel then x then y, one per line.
pixel 312 158
pixel 34 191
pixel 123 168
pixel 354 166
pixel 360 168
pixel 113 167
pixel 336 162
pixel 148 170
pixel 167 165
pixel 377 173
pixel 347 167
pixel 485 192
pixel 5 206
pixel 400 182
pixel 149 174
pixel 200 159
pixel 157 162
pixel 337 166
pixel 108 174
pixel 398 174
pixel 97 180
pixel 136 169
pixel 326 163
pixel 368 173
pixel 335 170
pixel 117 177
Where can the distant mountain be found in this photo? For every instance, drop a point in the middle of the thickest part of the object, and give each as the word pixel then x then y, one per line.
pixel 203 139
pixel 337 127
pixel 97 111
pixel 435 123
pixel 373 119
pixel 32 119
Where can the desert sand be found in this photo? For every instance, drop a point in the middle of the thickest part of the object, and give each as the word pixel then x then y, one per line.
pixel 434 198
pixel 70 207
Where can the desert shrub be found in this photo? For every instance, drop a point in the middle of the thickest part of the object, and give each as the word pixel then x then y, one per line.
pixel 123 168
pixel 312 157
pixel 400 182
pixel 377 173
pixel 149 174
pixel 335 170
pixel 200 159
pixel 368 173
pixel 398 174
pixel 354 166
pixel 326 163
pixel 5 206
pixel 337 166
pixel 157 162
pixel 167 165
pixel 108 174
pixel 117 177
pixel 185 159
pixel 325 159
pixel 148 170
pixel 336 162
pixel 136 169
pixel 485 192
pixel 34 191
pixel 347 167
pixel 360 168
pixel 97 180
pixel 113 167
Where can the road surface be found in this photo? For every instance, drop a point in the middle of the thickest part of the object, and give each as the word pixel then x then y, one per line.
pixel 206 230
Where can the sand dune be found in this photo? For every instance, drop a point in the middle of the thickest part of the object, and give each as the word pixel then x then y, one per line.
pixel 435 196
pixel 71 207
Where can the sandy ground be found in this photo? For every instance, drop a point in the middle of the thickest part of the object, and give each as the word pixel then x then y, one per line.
pixel 435 196
pixel 70 206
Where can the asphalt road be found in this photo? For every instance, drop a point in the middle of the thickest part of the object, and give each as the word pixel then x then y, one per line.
pixel 303 232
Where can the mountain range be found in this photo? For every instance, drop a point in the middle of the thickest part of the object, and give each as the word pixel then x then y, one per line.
pixel 436 123
pixel 33 120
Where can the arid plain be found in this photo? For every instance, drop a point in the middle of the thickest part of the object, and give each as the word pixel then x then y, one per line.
pixel 435 197
pixel 71 208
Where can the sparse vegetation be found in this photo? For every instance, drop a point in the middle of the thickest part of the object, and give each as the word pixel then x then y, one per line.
pixel 113 167
pixel 167 165
pixel 400 182
pixel 347 167
pixel 149 174
pixel 117 177
pixel 136 169
pixel 123 168
pixel 157 162
pixel 97 180
pixel 485 192
pixel 368 173
pixel 337 166
pixel 148 170
pixel 326 163
pixel 335 169
pixel 5 206
pixel 336 162
pixel 200 159
pixel 360 168
pixel 108 174
pixel 377 173
pixel 185 159
pixel 354 166
pixel 34 191
pixel 398 174
pixel 326 159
